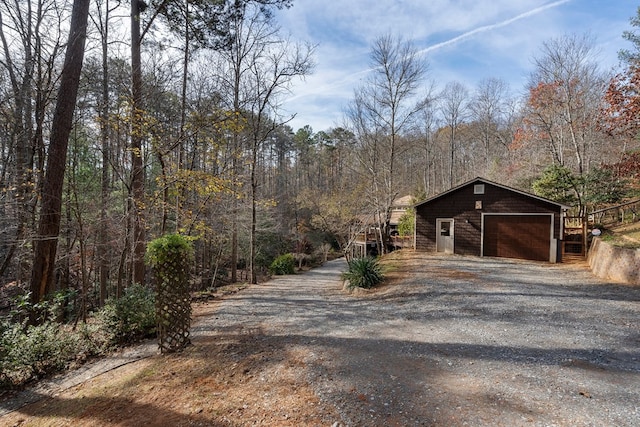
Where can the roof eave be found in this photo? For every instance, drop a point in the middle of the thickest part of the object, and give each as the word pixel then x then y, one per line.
pixel 486 181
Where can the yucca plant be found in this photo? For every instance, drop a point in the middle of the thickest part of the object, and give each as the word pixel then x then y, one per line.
pixel 363 273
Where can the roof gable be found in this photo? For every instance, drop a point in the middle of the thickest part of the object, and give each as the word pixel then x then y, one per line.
pixel 480 180
pixel 403 202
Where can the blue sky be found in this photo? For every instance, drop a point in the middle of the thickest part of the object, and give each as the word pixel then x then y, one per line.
pixel 462 40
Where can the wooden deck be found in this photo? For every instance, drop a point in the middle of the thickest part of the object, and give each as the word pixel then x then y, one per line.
pixel 405 242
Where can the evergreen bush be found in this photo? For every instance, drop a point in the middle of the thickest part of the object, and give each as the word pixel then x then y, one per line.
pixel 31 352
pixel 284 264
pixel 406 223
pixel 131 317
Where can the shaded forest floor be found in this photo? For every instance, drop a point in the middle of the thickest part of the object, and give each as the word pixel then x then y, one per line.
pixel 230 379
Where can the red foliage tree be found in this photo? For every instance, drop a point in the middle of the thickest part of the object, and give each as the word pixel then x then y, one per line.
pixel 629 166
pixel 621 117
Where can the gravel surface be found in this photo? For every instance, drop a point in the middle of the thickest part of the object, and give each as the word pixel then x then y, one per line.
pixel 458 341
pixel 449 341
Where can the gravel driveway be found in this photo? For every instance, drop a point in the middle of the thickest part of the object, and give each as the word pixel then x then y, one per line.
pixel 460 341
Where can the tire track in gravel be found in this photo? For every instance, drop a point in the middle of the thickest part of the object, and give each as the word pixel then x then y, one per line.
pixel 458 341
pixel 462 341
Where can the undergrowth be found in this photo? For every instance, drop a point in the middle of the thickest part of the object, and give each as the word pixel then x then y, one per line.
pixel 30 352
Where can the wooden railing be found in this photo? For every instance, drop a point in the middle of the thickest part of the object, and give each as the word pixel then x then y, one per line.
pixel 616 215
pixel 402 242
pixel 574 239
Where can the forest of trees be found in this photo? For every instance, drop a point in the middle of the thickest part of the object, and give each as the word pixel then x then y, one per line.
pixel 178 128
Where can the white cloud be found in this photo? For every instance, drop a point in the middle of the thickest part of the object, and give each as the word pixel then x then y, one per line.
pixel 464 40
pixel 473 32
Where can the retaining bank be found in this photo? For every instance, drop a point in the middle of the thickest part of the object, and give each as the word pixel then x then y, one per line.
pixel 615 263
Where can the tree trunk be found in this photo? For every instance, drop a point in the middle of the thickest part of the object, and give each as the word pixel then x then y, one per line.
pixel 234 236
pixel 49 226
pixel 102 252
pixel 137 171
pixel 253 277
pixel 21 139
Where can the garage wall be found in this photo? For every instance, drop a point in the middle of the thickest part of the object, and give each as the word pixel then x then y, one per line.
pixel 460 204
pixel 466 225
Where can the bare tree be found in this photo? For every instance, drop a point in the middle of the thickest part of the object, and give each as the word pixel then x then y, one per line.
pixel 426 127
pixel 382 109
pixel 102 20
pixel 488 108
pixel 220 26
pixel 257 70
pixel 454 107
pixel 271 75
pixel 566 91
pixel 248 37
pixel 31 47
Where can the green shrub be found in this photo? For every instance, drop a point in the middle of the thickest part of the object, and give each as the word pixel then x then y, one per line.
pixel 34 351
pixel 63 304
pixel 31 352
pixel 93 339
pixel 130 317
pixel 284 264
pixel 45 348
pixel 269 245
pixel 165 249
pixel 363 273
pixel 59 306
pixel 8 333
pixel 406 223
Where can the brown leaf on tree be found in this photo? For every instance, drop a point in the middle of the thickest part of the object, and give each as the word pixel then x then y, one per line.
pixel 621 116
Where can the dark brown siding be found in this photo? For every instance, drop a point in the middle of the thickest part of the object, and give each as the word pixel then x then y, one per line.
pixel 460 205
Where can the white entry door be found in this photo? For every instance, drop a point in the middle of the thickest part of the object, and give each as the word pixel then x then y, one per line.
pixel 444 235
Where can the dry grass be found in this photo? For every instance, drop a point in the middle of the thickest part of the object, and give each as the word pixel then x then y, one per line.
pixel 626 236
pixel 233 379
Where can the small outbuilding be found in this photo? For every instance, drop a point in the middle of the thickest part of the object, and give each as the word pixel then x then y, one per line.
pixel 484 218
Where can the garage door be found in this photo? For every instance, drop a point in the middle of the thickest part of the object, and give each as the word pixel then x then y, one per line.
pixel 517 236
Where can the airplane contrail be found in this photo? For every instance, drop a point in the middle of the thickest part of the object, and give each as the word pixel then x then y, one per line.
pixel 478 30
pixel 350 77
pixel 493 26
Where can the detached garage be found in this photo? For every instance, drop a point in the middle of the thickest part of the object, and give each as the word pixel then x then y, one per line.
pixel 483 218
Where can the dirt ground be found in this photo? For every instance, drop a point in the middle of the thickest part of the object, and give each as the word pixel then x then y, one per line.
pixel 230 379
pixel 445 342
